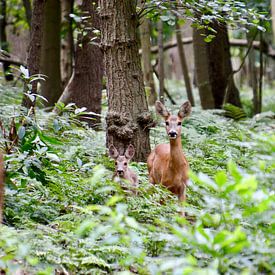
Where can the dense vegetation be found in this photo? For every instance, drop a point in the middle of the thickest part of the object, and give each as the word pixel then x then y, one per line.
pixel 63 213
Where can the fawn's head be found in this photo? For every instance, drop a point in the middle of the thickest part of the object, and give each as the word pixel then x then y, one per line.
pixel 173 122
pixel 121 162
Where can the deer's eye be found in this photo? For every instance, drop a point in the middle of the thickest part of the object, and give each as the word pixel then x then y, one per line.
pixel 179 123
pixel 166 123
pixel 125 163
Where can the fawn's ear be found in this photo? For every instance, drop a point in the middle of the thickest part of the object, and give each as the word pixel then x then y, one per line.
pixel 185 110
pixel 161 110
pixel 113 153
pixel 130 152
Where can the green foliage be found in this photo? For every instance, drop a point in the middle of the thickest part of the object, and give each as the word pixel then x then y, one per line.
pixel 234 112
pixel 63 213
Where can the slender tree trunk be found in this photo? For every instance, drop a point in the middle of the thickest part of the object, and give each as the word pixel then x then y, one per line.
pixel 67 42
pixel 128 116
pixel 184 66
pixel 34 51
pixel 146 60
pixel 50 58
pixel 218 77
pixel 85 85
pixel 3 38
pixel 202 70
pixel 28 10
pixel 161 61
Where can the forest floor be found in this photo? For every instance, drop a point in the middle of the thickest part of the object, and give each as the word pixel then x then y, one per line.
pixel 64 214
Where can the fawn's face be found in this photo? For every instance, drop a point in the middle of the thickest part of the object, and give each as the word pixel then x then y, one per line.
pixel 121 162
pixel 173 122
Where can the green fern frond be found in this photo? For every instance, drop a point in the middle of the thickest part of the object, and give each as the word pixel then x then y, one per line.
pixel 234 112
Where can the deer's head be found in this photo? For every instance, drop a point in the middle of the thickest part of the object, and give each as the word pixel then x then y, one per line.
pixel 121 161
pixel 173 122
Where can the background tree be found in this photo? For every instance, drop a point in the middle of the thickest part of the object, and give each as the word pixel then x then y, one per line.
pixel 85 85
pixel 215 77
pixel 3 38
pixel 50 55
pixel 34 51
pixel 67 42
pixel 146 60
pixel 128 117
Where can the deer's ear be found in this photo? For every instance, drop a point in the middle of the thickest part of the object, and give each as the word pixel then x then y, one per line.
pixel 130 152
pixel 185 110
pixel 113 153
pixel 161 110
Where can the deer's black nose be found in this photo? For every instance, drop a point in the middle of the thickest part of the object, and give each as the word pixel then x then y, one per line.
pixel 172 134
pixel 120 172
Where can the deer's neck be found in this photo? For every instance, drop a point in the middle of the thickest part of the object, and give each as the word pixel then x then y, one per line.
pixel 176 155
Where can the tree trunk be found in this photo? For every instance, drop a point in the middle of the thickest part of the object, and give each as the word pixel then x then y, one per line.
pixel 3 38
pixel 218 74
pixel 28 10
pixel 202 70
pixel 67 42
pixel 34 51
pixel 50 58
pixel 85 85
pixel 128 116
pixel 146 60
pixel 184 66
pixel 161 61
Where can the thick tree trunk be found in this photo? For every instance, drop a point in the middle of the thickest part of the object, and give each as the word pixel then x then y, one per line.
pixel 146 60
pixel 67 42
pixel 217 71
pixel 161 61
pixel 85 85
pixel 184 66
pixel 3 38
pixel 34 51
pixel 50 58
pixel 202 70
pixel 128 116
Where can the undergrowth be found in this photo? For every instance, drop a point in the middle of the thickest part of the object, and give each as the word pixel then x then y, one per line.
pixel 64 214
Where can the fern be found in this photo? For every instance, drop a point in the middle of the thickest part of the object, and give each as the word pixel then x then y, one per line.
pixel 234 112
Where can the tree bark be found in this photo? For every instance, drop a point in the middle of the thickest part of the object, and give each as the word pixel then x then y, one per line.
pixel 34 51
pixel 128 117
pixel 216 69
pixel 50 58
pixel 85 86
pixel 184 66
pixel 202 70
pixel 3 38
pixel 146 60
pixel 67 42
pixel 161 61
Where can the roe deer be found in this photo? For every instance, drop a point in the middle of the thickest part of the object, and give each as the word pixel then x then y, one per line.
pixel 1 187
pixel 167 163
pixel 122 171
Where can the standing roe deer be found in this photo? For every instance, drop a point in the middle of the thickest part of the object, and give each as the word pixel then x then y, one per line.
pixel 167 163
pixel 122 171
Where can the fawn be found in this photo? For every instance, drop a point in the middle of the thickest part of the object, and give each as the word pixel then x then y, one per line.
pixel 122 171
pixel 167 163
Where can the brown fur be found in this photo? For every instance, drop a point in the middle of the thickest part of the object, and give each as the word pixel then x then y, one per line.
pixel 167 163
